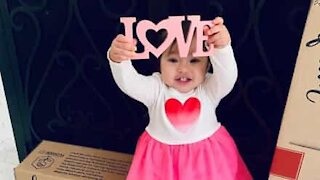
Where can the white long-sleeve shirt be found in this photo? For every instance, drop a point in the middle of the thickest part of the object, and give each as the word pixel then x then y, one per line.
pixel 152 92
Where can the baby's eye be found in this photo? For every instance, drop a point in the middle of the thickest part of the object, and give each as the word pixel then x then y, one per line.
pixel 194 60
pixel 172 60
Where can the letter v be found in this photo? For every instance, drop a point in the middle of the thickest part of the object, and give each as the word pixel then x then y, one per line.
pixel 184 45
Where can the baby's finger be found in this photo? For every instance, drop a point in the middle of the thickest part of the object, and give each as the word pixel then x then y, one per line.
pixel 205 30
pixel 213 39
pixel 135 42
pixel 218 20
pixel 214 30
pixel 123 53
pixel 125 46
pixel 218 41
pixel 123 39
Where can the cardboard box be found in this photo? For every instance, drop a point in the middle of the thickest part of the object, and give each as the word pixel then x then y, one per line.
pixel 58 161
pixel 297 155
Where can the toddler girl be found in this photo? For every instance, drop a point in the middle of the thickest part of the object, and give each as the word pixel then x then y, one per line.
pixel 184 139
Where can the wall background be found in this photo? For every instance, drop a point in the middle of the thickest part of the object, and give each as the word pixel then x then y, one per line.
pixel 59 86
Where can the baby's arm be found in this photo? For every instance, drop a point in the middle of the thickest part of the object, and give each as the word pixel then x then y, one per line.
pixel 142 88
pixel 225 71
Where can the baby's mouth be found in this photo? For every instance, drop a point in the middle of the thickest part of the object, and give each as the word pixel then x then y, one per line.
pixel 183 79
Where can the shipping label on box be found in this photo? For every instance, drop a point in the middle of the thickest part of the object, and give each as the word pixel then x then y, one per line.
pixel 58 161
pixel 297 155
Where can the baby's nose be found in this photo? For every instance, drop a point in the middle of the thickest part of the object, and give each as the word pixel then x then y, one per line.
pixel 182 67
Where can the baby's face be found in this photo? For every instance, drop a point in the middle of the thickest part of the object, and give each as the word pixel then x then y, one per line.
pixel 182 74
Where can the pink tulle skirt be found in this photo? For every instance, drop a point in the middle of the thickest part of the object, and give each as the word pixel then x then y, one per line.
pixel 214 158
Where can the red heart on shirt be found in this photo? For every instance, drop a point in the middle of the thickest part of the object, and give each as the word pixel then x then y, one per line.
pixel 182 116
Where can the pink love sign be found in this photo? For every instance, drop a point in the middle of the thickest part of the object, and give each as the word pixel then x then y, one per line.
pixel 175 32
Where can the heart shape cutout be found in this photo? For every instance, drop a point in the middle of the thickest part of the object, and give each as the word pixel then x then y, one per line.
pixel 182 116
pixel 154 37
pixel 145 26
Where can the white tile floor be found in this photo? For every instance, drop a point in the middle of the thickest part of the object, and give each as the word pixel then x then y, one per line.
pixel 8 151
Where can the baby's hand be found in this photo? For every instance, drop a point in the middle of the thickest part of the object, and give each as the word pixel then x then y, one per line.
pixel 218 34
pixel 122 48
